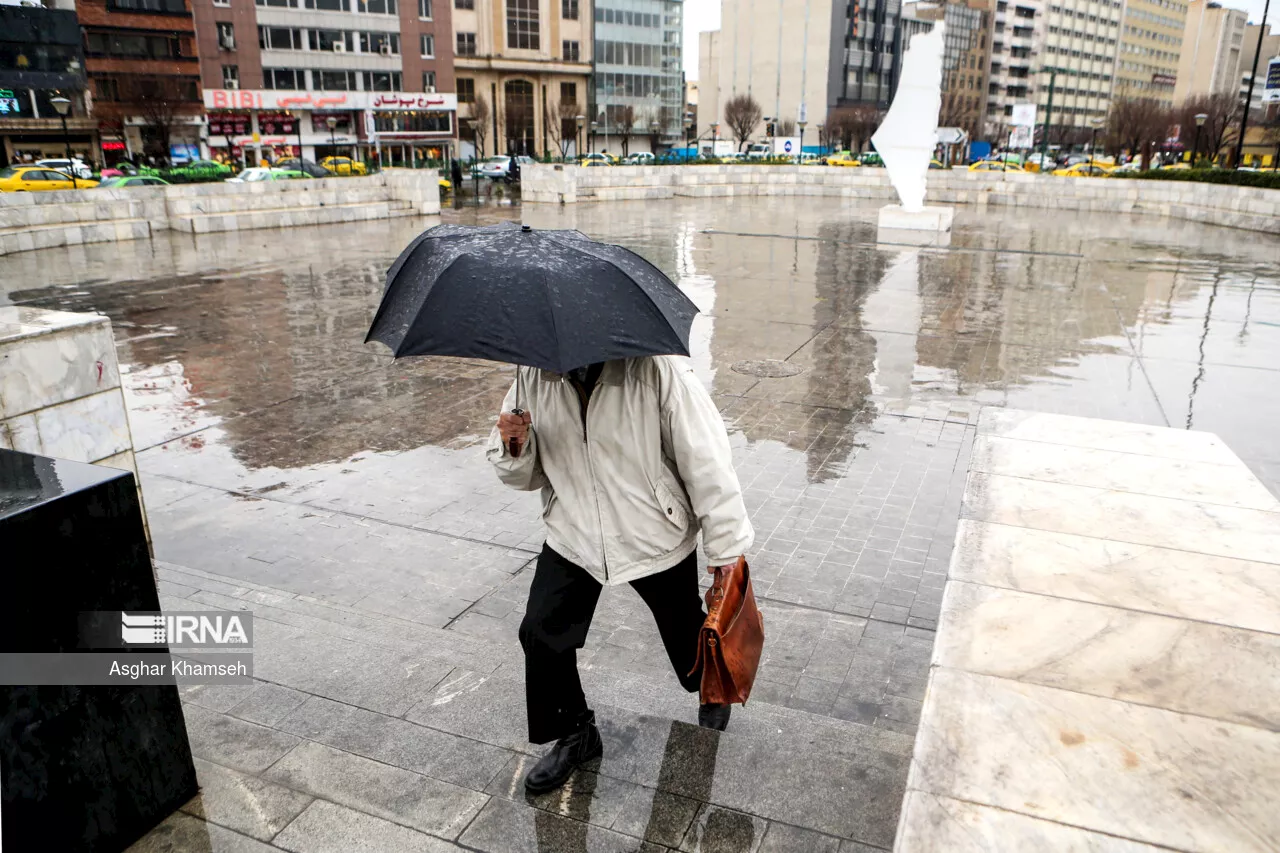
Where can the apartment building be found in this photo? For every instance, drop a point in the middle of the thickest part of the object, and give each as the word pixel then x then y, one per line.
pixel 1151 45
pixel 144 77
pixel 40 59
pixel 357 78
pixel 1212 52
pixel 523 69
pixel 1082 41
pixel 1018 34
pixel 965 59
pixel 638 89
pixel 1268 49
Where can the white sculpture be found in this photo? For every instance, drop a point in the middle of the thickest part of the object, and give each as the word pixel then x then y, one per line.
pixel 908 135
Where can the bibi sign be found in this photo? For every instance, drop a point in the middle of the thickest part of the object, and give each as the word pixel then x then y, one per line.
pixel 275 99
pixel 1271 89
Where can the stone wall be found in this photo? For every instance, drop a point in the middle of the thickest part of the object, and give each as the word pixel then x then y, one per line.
pixel 1249 208
pixel 60 392
pixel 44 220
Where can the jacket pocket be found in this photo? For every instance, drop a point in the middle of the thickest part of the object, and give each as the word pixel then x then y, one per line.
pixel 672 507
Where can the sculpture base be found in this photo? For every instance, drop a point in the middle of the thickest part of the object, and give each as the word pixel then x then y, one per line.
pixel 935 219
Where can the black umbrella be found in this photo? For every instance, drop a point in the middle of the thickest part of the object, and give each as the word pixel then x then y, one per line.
pixel 556 300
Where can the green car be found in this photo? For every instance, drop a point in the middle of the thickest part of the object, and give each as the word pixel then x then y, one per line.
pixel 134 181
pixel 201 169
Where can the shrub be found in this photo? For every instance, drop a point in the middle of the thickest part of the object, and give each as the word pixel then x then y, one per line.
pixel 1266 180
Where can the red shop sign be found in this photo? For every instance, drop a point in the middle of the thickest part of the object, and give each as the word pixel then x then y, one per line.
pixel 277 123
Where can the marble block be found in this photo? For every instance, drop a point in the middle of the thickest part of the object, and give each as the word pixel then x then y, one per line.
pixel 49 357
pixel 893 217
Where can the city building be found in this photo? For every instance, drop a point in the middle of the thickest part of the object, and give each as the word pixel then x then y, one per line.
pixel 144 78
pixel 1080 48
pixel 1018 32
pixel 965 59
pixel 523 70
pixel 41 58
pixel 637 96
pixel 708 83
pixel 369 79
pixel 692 95
pixel 1270 49
pixel 1151 44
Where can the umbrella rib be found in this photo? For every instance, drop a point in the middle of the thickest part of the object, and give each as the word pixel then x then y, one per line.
pixel 555 323
pixel 646 293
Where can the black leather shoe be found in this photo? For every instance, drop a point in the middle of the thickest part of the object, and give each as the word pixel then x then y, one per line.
pixel 713 716
pixel 568 754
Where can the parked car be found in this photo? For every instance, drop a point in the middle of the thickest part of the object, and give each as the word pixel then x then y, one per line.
pixel 842 158
pixel 263 173
pixel 640 158
pixel 74 166
pixel 757 151
pixel 132 181
pixel 1134 165
pixel 871 158
pixel 497 167
pixel 32 179
pixel 205 169
pixel 995 166
pixel 1084 170
pixel 597 157
pixel 597 164
pixel 123 168
pixel 344 166
pixel 310 168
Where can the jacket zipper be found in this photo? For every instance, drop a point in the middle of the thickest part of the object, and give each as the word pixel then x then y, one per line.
pixel 584 404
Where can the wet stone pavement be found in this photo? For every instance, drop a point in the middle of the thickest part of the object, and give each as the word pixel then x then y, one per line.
pixel 292 471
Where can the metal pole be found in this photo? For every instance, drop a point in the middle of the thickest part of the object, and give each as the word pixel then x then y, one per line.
pixel 1244 115
pixel 71 165
pixel 1093 146
pixel 1196 149
pixel 1048 114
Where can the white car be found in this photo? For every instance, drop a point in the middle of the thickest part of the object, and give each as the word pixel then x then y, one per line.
pixel 497 167
pixel 74 166
pixel 260 173
pixel 757 151
pixel 640 158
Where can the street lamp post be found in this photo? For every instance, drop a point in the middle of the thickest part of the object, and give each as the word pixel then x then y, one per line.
pixel 822 142
pixel 800 153
pixel 579 120
pixel 1201 118
pixel 595 125
pixel 654 128
pixel 688 128
pixel 63 106
pixel 1096 124
pixel 332 121
pixel 715 137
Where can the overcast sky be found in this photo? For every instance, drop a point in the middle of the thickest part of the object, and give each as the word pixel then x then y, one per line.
pixel 702 15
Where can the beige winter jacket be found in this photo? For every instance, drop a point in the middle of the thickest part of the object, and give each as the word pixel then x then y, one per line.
pixel 626 490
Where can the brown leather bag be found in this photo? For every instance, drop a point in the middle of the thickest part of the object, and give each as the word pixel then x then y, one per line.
pixel 732 637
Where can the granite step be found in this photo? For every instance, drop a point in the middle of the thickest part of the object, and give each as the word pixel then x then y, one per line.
pixel 24 238
pixel 286 217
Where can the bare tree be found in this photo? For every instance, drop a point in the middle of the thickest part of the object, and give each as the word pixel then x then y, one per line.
pixel 742 114
pixel 562 125
pixel 480 114
pixel 1221 126
pixel 626 116
pixel 163 104
pixel 854 125
pixel 787 127
pixel 1140 125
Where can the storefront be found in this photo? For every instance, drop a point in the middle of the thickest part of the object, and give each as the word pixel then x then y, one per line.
pixel 31 130
pixel 392 128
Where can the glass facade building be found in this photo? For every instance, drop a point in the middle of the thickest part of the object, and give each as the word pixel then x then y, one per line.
pixel 638 69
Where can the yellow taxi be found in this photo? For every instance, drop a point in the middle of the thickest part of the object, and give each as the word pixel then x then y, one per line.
pixel 842 158
pixel 23 179
pixel 598 159
pixel 995 166
pixel 344 166
pixel 1085 170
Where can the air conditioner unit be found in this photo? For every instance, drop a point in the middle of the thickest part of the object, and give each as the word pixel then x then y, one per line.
pixel 339 47
pixel 227 41
pixel 385 48
pixel 431 90
pixel 231 84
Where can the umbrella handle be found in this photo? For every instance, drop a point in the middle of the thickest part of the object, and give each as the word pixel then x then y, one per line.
pixel 513 443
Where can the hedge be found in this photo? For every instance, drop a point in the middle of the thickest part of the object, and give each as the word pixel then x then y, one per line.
pixel 1267 180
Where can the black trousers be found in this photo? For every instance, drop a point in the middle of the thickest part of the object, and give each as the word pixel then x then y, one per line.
pixel 562 601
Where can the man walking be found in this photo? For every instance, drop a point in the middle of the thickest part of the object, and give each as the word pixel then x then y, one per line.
pixel 632 459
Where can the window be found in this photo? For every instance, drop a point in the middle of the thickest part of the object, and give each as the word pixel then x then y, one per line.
pixel 522 24
pixel 162 7
pixel 428 47
pixel 381 81
pixel 108 88
pixel 279 38
pixel 569 10
pixel 568 93
pixel 335 40
pixel 424 9
pixel 387 44
pixel 329 5
pixel 334 81
pixel 570 49
pixel 428 81
pixel 464 4
pixel 226 36
pixel 284 78
pixel 127 46
pixel 466 45
pixel 466 90
pixel 425 122
pixel 285 4
pixel 377 7
pixel 222 2
pixel 231 76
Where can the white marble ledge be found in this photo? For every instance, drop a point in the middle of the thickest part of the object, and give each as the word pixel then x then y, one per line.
pixel 935 824
pixel 68 362
pixel 1224 531
pixel 1186 666
pixel 1100 434
pixel 1230 484
pixel 1144 774
pixel 17 321
pixel 1144 578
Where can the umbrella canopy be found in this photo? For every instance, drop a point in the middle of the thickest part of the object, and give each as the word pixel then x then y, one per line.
pixel 556 300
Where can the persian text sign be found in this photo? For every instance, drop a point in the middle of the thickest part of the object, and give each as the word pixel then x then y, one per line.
pixel 275 99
